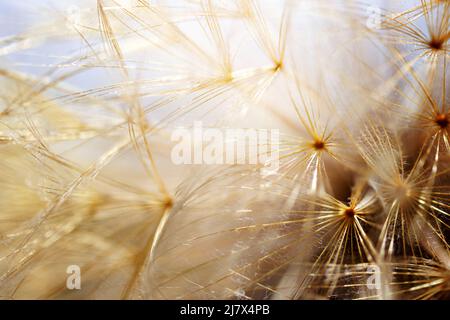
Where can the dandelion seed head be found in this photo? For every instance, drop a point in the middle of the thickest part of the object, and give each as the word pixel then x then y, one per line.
pixel 402 192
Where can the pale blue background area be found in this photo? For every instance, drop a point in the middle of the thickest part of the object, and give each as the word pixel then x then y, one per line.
pixel 16 17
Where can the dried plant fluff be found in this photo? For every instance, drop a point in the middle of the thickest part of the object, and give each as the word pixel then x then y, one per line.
pixel 90 92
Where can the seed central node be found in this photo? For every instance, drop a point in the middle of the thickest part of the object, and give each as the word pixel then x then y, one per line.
pixel 319 145
pixel 442 121
pixel 436 44
pixel 349 213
